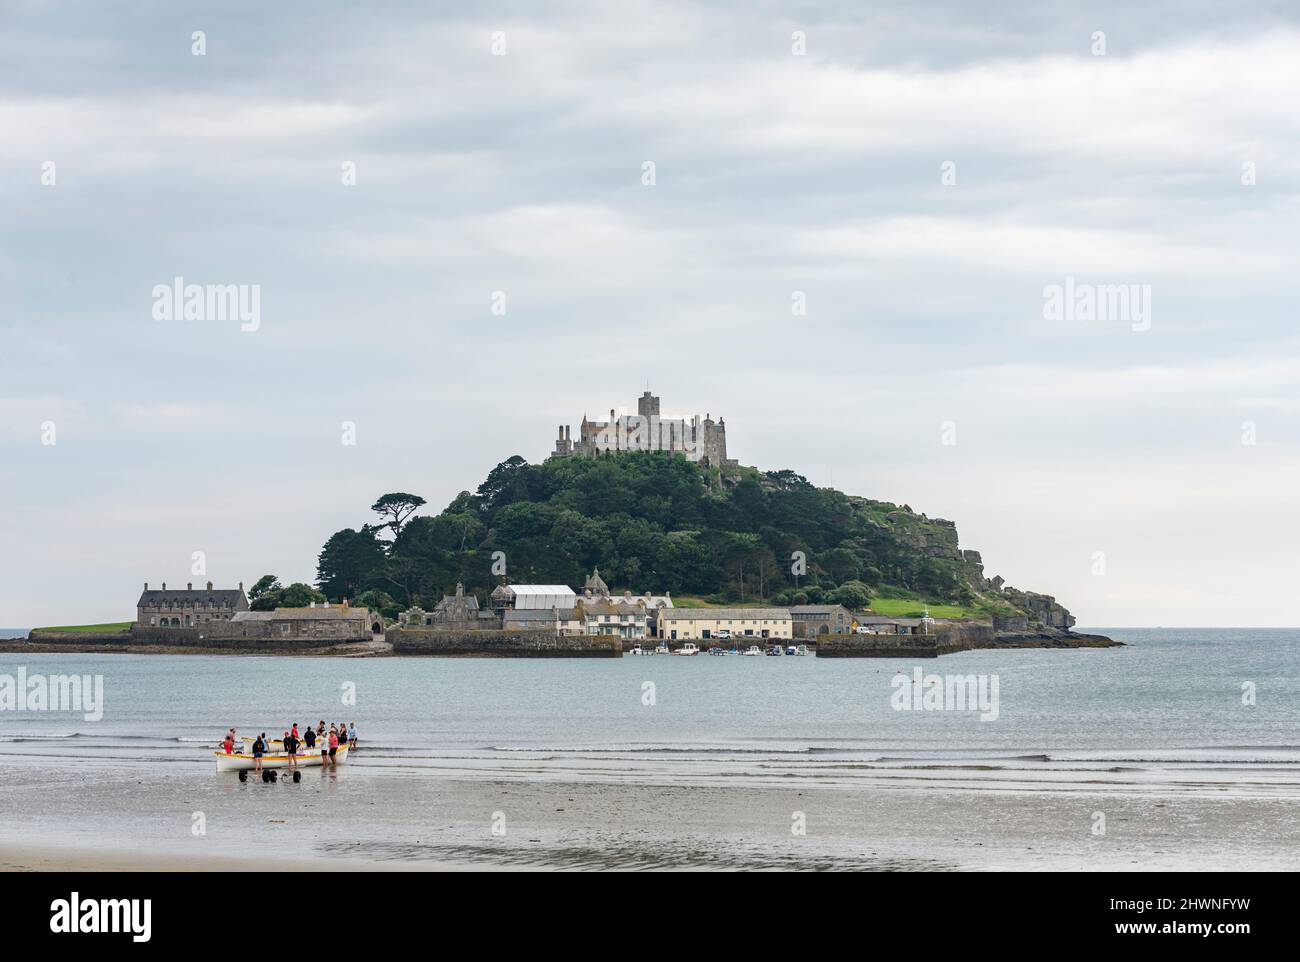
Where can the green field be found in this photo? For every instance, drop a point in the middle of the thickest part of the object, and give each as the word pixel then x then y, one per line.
pixel 114 626
pixel 911 608
pixel 689 601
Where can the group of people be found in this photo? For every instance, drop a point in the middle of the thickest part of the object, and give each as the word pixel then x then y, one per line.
pixel 330 740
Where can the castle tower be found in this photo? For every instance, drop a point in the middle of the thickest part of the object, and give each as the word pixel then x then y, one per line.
pixel 647 405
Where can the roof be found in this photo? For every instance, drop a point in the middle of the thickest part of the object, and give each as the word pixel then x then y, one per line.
pixel 876 620
pixel 815 609
pixel 333 613
pixel 541 596
pixel 188 596
pixel 604 608
pixel 471 601
pixel 531 614
pixel 724 614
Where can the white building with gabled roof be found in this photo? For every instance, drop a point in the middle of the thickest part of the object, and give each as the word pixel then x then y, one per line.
pixel 532 597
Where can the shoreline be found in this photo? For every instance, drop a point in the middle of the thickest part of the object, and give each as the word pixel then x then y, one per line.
pixel 378 649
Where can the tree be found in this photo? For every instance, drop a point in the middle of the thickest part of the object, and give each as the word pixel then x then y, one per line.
pixel 852 595
pixel 299 595
pixel 349 562
pixel 397 506
pixel 262 585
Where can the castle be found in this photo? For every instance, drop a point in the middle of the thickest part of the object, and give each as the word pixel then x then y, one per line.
pixel 698 440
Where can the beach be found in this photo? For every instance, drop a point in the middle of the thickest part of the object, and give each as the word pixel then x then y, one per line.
pixel 126 823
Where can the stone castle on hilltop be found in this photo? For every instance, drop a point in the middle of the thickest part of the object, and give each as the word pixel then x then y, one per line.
pixel 699 440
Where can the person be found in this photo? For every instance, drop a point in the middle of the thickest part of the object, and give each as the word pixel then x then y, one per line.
pixel 229 744
pixel 294 730
pixel 309 738
pixel 291 749
pixel 334 746
pixel 352 735
pixel 259 746
pixel 343 735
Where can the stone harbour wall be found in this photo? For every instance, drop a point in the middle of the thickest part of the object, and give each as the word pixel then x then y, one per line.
pixel 943 639
pixel 501 644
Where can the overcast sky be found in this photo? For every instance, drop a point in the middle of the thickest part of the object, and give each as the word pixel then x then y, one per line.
pixel 775 172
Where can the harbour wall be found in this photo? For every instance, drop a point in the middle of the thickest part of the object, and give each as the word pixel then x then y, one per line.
pixel 943 639
pixel 501 644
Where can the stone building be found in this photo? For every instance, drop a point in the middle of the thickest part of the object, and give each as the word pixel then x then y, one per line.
pixel 813 620
pixel 698 440
pixel 315 623
pixel 174 608
pixel 453 611
pixel 696 624
pixel 603 618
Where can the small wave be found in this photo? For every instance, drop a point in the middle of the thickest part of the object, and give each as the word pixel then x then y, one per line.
pixel 647 750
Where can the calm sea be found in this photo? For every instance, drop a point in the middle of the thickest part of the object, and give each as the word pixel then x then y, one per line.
pixel 1221 700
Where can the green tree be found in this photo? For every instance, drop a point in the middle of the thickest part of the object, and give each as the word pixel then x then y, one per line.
pixel 262 585
pixel 397 506
pixel 349 562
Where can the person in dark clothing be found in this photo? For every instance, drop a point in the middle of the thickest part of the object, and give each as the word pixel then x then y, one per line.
pixel 259 747
pixel 291 749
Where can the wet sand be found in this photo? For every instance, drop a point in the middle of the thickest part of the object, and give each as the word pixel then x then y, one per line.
pixel 383 820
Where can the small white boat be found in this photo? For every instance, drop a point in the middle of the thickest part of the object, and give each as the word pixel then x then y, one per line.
pixel 752 650
pixel 687 649
pixel 802 650
pixel 637 650
pixel 662 650
pixel 238 761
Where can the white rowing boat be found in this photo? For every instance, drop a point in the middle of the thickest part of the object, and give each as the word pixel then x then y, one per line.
pixel 239 761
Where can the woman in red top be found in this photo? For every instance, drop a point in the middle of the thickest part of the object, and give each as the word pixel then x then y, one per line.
pixel 334 747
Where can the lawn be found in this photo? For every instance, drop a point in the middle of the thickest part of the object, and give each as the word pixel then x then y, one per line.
pixel 114 626
pixel 911 608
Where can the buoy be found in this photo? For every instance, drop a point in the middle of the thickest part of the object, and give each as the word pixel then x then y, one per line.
pixel 243 774
pixel 297 775
pixel 272 774
pixel 266 775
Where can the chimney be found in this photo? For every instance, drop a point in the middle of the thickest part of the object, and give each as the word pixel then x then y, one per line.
pixel 146 586
pixel 189 586
pixel 164 586
pixel 209 585
pixel 241 586
pixel 313 604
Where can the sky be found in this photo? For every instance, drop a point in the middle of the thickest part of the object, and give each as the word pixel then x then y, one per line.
pixel 457 245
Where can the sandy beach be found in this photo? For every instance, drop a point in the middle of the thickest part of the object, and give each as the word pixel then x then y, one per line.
pixel 389 821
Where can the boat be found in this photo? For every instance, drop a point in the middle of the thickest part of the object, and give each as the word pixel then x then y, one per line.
pixel 662 649
pixel 239 761
pixel 752 650
pixel 717 651
pixel 791 650
pixel 687 649
pixel 776 650
pixel 637 650
pixel 802 650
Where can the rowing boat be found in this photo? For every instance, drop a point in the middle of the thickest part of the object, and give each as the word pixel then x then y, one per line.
pixel 238 761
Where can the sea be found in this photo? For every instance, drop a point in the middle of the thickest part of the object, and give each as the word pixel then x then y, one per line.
pixel 1217 709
